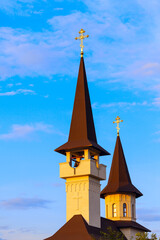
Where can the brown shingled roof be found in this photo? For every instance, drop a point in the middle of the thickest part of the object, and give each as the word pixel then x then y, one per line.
pixel 132 224
pixel 82 131
pixel 78 229
pixel 119 178
pixel 75 228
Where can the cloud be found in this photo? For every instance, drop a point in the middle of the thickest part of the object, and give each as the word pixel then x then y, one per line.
pixel 19 91
pixel 119 104
pixel 123 43
pixel 24 131
pixel 27 230
pixel 156 102
pixel 25 203
pixel 4 227
pixel 123 46
pixel 148 215
pixel 158 134
pixel 20 7
pixel 26 53
pixel 58 9
pixel 10 85
pixel 57 185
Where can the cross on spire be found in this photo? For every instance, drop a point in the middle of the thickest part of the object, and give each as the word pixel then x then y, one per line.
pixel 118 121
pixel 81 37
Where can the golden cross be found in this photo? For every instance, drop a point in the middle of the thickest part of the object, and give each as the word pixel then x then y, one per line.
pixel 81 37
pixel 118 121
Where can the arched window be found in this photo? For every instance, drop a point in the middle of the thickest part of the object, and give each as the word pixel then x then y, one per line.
pixel 114 210
pixel 124 210
pixel 133 211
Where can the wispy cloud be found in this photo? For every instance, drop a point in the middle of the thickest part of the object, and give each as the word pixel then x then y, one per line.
pixel 25 203
pixel 10 85
pixel 156 102
pixel 24 131
pixel 19 7
pixel 57 184
pixel 58 9
pixel 119 104
pixel 17 92
pixel 148 215
pixel 26 53
pixel 157 136
pixel 4 227
pixel 123 45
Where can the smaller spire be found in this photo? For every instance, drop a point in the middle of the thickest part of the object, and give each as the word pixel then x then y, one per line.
pixel 119 179
pixel 81 37
pixel 118 121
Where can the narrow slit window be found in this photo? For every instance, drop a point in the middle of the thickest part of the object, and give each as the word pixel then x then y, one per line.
pixel 124 210
pixel 106 211
pixel 133 211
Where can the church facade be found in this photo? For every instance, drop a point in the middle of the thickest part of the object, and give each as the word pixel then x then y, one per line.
pixel 83 172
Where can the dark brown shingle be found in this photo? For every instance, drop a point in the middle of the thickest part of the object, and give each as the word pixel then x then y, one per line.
pixel 82 131
pixel 78 229
pixel 119 178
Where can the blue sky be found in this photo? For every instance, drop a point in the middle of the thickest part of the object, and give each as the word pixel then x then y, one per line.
pixel 39 61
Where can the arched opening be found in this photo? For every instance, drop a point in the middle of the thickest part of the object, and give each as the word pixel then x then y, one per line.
pixel 114 210
pixel 124 210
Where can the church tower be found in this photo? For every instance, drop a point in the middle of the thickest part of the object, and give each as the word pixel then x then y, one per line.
pixel 120 194
pixel 82 170
pixel 83 173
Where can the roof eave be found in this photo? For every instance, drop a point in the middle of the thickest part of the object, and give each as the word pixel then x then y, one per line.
pixel 80 146
pixel 104 194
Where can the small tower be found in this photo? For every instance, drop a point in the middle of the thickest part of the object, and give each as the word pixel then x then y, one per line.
pixel 82 169
pixel 120 194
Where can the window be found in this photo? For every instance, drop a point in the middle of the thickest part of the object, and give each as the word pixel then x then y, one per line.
pixel 133 211
pixel 114 210
pixel 106 211
pixel 124 210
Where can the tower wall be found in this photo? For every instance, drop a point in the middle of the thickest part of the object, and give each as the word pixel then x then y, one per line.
pixel 83 189
pixel 130 233
pixel 119 200
pixel 82 197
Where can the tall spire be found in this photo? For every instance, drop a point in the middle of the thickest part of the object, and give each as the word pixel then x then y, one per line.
pixel 82 131
pixel 119 178
pixel 82 124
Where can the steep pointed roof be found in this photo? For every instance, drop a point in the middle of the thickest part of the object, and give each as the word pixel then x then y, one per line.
pixel 119 178
pixel 82 131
